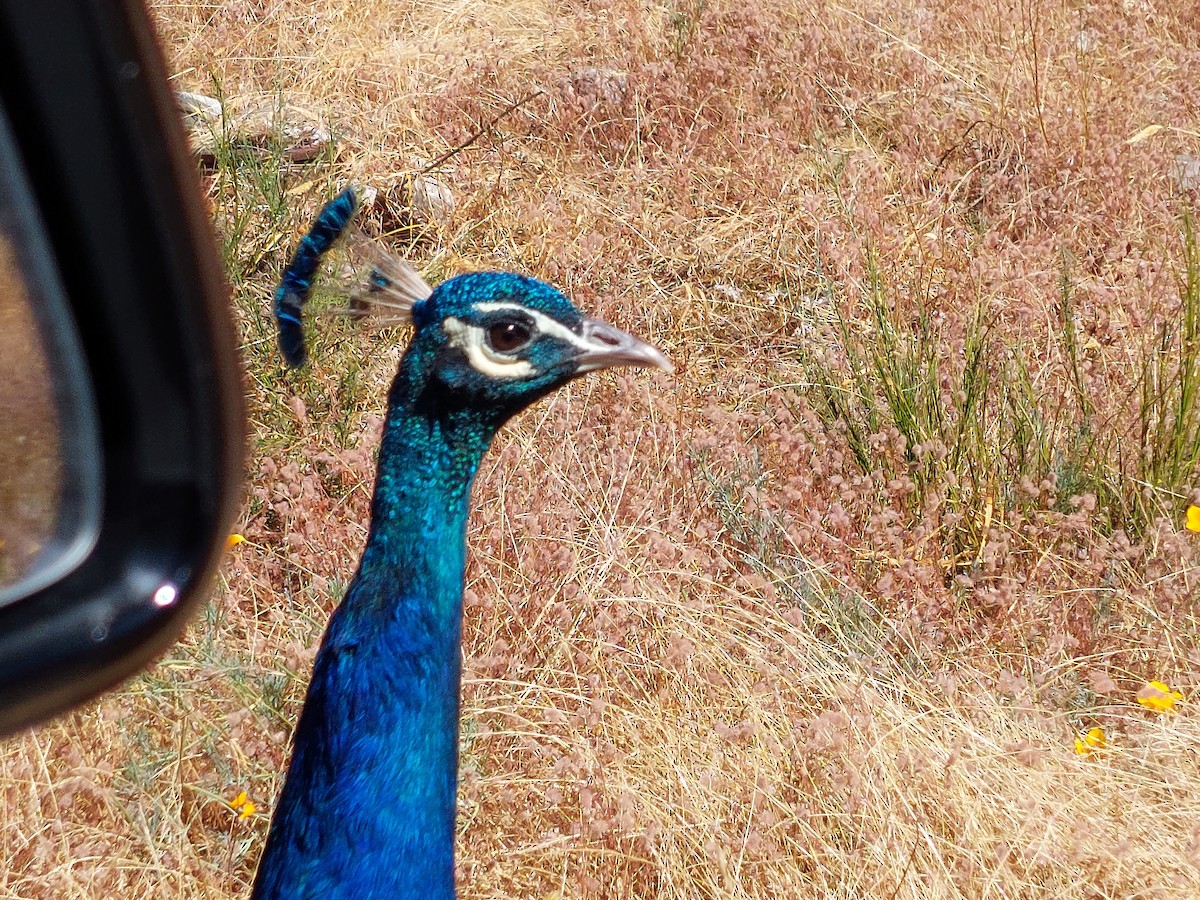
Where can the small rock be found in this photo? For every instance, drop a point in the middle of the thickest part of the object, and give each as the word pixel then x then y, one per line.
pixel 261 130
pixel 1087 40
pixel 1187 172
pixel 412 204
pixel 431 199
pixel 198 109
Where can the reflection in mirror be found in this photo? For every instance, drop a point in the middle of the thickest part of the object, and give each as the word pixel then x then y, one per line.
pixel 50 458
pixel 30 461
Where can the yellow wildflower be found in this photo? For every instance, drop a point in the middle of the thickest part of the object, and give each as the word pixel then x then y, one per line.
pixel 1193 518
pixel 1090 741
pixel 234 539
pixel 1159 697
pixel 242 806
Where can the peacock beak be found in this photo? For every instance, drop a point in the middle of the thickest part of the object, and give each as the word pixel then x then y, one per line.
pixel 605 347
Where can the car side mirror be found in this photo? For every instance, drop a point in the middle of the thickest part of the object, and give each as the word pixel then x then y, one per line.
pixel 121 417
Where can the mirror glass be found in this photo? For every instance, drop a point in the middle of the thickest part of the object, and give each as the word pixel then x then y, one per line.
pixel 50 462
pixel 30 460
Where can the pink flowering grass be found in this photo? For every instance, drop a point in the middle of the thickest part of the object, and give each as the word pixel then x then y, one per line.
pixel 824 613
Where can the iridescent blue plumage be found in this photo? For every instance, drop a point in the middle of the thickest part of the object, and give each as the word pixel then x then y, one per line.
pixel 296 283
pixel 368 806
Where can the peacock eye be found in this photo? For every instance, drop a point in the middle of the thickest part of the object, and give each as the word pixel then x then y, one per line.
pixel 505 337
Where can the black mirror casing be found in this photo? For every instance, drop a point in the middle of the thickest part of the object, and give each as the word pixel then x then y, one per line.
pixel 95 136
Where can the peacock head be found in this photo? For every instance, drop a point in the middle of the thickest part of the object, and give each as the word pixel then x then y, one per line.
pixel 499 341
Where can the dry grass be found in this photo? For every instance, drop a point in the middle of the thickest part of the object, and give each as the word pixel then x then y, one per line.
pixel 710 655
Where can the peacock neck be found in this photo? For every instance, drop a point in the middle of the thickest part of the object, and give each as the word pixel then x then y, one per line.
pixel 368 807
pixel 427 462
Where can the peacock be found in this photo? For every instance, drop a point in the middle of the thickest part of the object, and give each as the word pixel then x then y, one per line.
pixel 368 804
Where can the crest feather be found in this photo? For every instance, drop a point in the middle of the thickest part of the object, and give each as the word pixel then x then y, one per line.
pixel 392 284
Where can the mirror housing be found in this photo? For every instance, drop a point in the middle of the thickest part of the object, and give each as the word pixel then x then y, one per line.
pixel 101 151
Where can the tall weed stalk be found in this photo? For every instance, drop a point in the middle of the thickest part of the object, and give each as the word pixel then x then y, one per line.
pixel 1169 412
pixel 961 417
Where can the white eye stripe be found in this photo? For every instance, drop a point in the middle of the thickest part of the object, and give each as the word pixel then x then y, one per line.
pixel 545 324
pixel 483 359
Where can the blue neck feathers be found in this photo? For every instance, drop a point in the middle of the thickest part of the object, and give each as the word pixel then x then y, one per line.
pixel 368 806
